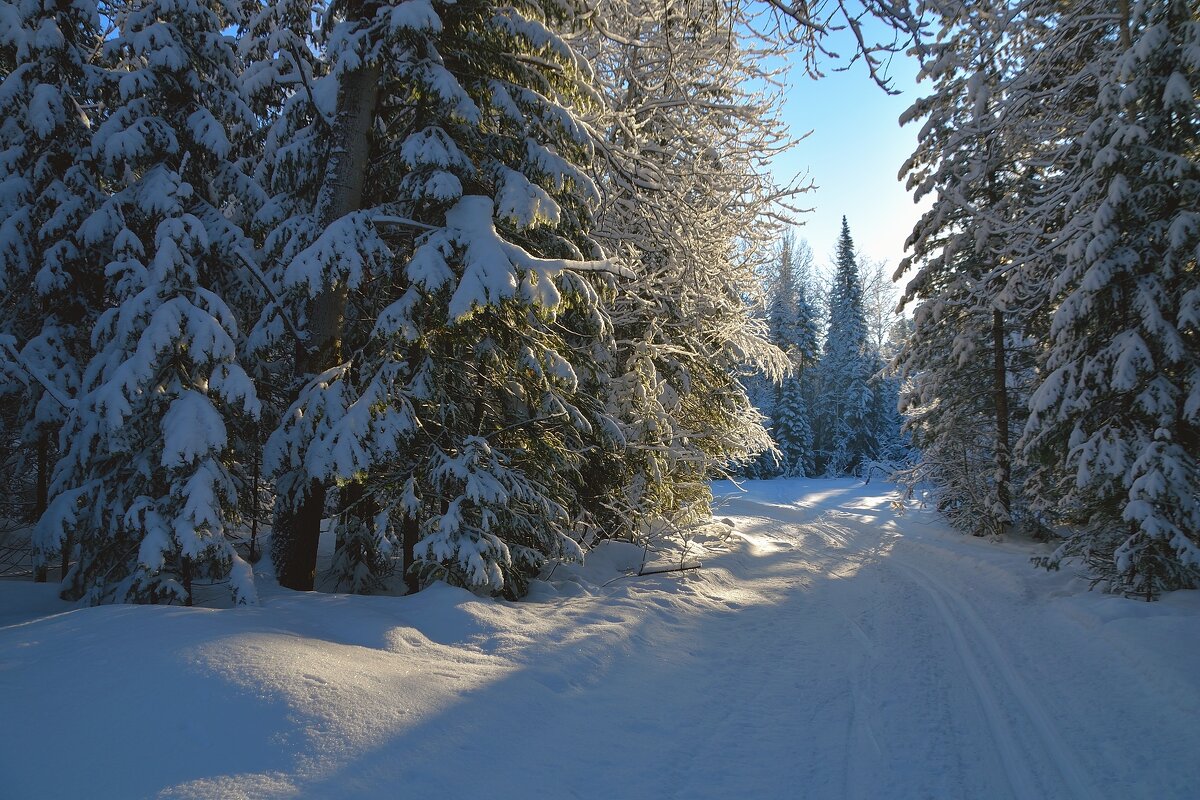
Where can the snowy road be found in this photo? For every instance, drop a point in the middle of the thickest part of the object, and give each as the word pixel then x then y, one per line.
pixel 834 648
pixel 954 675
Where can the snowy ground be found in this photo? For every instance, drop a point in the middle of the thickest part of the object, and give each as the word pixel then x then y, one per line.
pixel 833 647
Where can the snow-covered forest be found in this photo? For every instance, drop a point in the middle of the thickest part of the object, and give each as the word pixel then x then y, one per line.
pixel 473 286
pixel 1052 376
pixel 468 286
pixel 835 412
pixel 1049 376
pixel 434 306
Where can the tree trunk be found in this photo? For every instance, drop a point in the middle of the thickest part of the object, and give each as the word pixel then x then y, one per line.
pixel 298 520
pixel 41 496
pixel 255 483
pixel 186 574
pixel 1000 395
pixel 410 530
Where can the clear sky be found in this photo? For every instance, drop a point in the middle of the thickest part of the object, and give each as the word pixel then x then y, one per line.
pixel 853 155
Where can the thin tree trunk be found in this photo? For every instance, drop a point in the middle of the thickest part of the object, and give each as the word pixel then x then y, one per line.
pixel 1000 394
pixel 298 521
pixel 255 483
pixel 41 495
pixel 186 574
pixel 410 530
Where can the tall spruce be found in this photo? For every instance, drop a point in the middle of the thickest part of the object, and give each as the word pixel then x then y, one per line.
pixel 457 294
pixel 794 330
pixel 844 429
pixel 50 280
pixel 1116 416
pixel 957 360
pixel 144 490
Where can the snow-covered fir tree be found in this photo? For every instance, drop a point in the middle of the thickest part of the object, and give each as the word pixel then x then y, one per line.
pixel 144 493
pixel 1116 415
pixel 957 360
pixel 886 332
pixel 452 423
pixel 794 329
pixel 50 281
pixel 1071 225
pixel 844 429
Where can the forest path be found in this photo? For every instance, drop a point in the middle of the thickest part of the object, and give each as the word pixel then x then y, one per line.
pixel 838 645
pixel 973 678
pixel 844 647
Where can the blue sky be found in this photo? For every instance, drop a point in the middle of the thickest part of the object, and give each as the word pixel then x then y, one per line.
pixel 853 155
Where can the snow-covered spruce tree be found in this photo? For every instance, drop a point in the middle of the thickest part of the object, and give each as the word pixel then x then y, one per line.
pixel 48 280
pixel 791 428
pixel 794 330
pixel 318 152
pixel 283 75
pixel 515 337
pixel 687 206
pixel 972 155
pixel 1117 412
pixel 949 410
pixel 452 421
pixel 143 489
pixel 886 332
pixel 844 433
pixel 786 420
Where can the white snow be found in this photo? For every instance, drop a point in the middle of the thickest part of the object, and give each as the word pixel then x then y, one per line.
pixel 191 428
pixel 836 644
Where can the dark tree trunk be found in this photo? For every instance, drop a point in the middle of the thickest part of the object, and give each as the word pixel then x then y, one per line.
pixel 410 530
pixel 297 532
pixel 1000 395
pixel 41 495
pixel 186 570
pixel 298 520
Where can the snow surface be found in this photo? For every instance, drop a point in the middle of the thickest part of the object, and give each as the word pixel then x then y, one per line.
pixel 835 645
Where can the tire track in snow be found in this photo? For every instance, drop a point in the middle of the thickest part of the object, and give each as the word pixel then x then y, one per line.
pixel 1027 744
pixel 1016 766
pixel 861 734
pixel 844 533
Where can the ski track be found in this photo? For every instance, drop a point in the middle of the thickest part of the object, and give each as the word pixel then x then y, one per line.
pixel 1035 758
pixel 1017 689
pixel 1014 706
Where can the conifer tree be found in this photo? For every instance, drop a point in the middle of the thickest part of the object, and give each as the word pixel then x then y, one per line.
pixel 143 489
pixel 47 276
pixel 844 430
pixel 1117 413
pixel 452 423
pixel 962 402
pixel 794 330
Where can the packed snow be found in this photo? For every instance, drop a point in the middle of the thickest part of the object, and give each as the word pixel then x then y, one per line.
pixel 835 643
